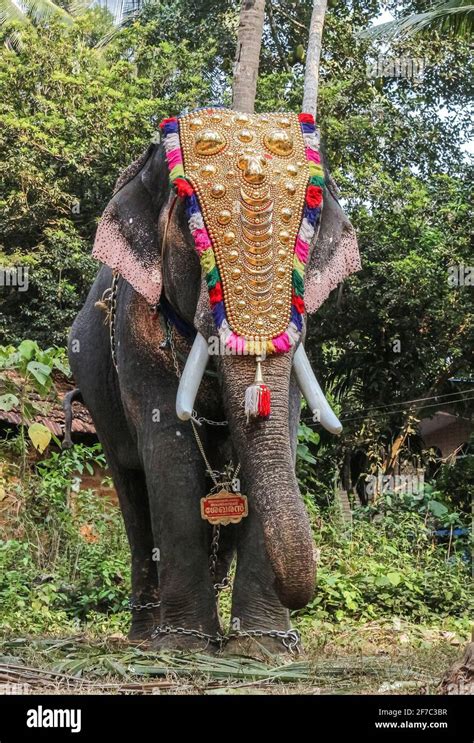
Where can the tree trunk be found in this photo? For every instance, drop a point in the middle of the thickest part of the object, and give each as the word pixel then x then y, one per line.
pixel 313 54
pixel 247 58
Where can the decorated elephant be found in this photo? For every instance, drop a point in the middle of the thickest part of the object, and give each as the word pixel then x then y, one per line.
pixel 217 243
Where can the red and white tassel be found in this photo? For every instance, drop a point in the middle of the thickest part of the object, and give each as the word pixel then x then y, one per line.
pixel 257 397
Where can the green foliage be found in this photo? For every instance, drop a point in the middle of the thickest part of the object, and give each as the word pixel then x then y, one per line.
pixel 71 119
pixel 70 560
pixel 387 564
pixel 456 482
pixel 66 564
pixel 23 371
pixel 32 11
pixel 455 17
pixel 315 465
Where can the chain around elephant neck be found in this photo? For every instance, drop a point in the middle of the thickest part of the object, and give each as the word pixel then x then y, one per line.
pixel 194 417
pixel 108 304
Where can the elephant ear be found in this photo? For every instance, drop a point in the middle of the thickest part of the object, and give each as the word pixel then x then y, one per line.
pixel 335 254
pixel 127 235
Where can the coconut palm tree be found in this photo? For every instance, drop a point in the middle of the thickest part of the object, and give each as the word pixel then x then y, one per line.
pixel 455 17
pixel 311 78
pixel 37 11
pixel 31 11
pixel 247 58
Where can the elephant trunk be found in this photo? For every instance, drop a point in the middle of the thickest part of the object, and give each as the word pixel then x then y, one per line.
pixel 264 449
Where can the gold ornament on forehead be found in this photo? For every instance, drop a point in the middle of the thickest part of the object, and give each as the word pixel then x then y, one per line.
pixel 250 174
pixel 209 142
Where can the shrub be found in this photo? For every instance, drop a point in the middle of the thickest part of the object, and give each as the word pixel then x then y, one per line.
pixel 388 562
pixel 69 556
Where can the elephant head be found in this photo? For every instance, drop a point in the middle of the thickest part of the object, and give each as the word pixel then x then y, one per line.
pixel 144 234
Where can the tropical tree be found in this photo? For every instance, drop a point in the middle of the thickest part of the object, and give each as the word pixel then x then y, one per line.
pixel 32 11
pixel 247 56
pixel 455 17
pixel 313 55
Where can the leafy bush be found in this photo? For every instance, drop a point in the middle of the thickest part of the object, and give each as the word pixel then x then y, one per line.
pixel 26 373
pixel 456 482
pixel 66 563
pixel 69 556
pixel 387 563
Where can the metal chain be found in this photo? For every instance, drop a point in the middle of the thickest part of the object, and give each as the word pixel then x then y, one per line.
pixel 225 583
pixel 113 309
pixel 213 474
pixel 137 606
pixel 195 417
pixel 216 532
pixel 167 630
pixel 290 638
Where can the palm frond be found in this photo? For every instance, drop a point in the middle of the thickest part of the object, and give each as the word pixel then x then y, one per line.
pixel 14 42
pixel 34 11
pixel 456 17
pixel 78 7
pixel 119 24
pixel 10 11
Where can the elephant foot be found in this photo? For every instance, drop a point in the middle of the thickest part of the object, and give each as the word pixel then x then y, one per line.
pixel 265 649
pixel 181 642
pixel 143 624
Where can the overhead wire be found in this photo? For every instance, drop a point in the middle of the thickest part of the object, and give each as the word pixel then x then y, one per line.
pixel 394 412
pixel 384 406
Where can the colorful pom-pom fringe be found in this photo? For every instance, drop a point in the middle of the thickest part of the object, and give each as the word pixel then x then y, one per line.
pixel 257 401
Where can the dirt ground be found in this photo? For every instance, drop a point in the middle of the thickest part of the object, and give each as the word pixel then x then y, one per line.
pixel 369 659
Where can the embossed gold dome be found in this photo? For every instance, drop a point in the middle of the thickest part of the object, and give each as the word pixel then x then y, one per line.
pixel 250 174
pixel 279 141
pixel 209 142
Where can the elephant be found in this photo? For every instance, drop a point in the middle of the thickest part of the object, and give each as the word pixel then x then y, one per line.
pixel 134 371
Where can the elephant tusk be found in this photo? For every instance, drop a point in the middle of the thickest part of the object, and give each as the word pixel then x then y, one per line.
pixel 313 393
pixel 191 377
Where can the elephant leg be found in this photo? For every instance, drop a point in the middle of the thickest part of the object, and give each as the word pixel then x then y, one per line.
pixel 89 356
pixel 255 604
pixel 176 481
pixel 133 498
